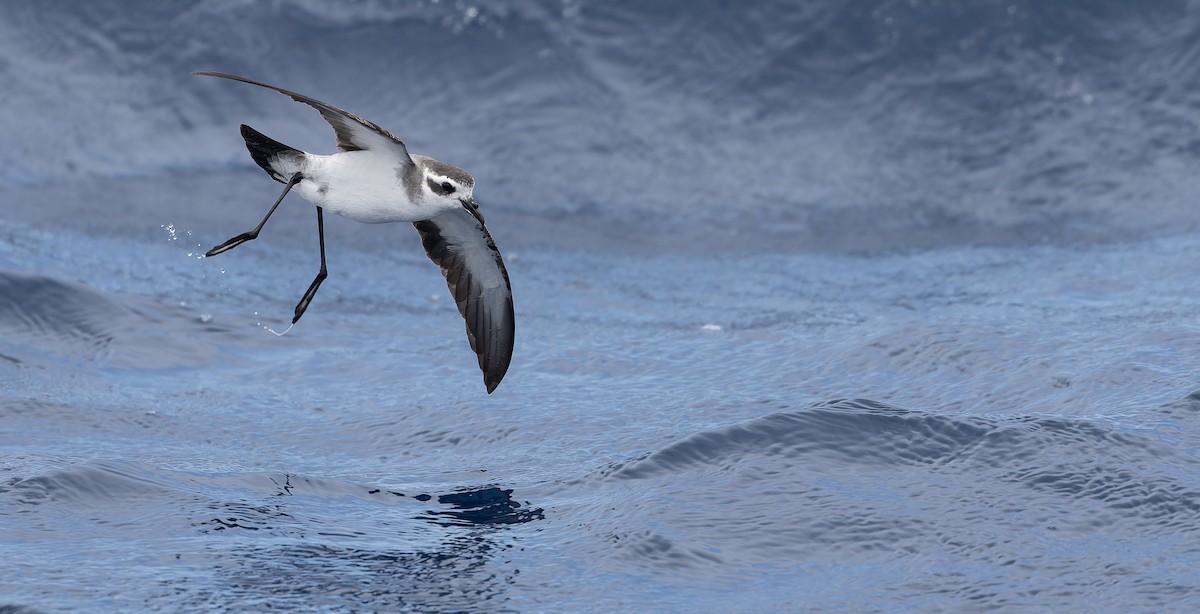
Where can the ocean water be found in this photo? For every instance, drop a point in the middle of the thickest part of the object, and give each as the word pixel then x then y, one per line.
pixel 821 306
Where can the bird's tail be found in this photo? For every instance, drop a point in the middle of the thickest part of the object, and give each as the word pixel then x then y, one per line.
pixel 279 160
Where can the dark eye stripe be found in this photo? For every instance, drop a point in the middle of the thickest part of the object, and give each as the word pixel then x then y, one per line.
pixel 442 188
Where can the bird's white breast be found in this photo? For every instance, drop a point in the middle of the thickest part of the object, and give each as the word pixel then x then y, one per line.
pixel 363 186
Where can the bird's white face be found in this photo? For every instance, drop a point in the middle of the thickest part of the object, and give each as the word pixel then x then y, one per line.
pixel 447 191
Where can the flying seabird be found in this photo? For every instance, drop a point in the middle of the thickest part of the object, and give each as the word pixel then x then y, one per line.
pixel 373 179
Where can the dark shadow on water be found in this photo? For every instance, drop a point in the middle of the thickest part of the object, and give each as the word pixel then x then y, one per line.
pixel 488 505
pixel 450 557
pixel 485 506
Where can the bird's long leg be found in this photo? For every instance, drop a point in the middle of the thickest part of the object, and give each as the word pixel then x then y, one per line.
pixel 312 289
pixel 253 234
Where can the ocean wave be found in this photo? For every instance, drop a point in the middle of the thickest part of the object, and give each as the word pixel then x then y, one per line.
pixel 45 320
pixel 814 124
pixel 866 477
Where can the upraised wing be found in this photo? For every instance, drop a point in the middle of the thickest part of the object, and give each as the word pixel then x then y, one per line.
pixel 459 243
pixel 353 132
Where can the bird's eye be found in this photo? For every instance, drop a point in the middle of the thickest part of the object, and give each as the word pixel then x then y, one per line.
pixel 447 187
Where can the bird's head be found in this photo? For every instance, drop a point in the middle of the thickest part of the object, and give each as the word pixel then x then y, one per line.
pixel 448 185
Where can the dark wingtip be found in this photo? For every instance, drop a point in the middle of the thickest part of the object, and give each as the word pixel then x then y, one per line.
pixel 494 370
pixel 492 381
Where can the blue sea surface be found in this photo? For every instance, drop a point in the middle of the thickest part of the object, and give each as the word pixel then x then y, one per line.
pixel 821 306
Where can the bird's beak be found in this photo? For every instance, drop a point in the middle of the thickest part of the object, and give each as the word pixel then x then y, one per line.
pixel 469 205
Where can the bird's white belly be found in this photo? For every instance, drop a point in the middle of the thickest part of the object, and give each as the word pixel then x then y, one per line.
pixel 363 187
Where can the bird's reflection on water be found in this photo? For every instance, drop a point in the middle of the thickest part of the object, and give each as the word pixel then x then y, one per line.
pixel 455 560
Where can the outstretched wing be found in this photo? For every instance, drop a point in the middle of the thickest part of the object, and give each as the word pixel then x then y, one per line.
pixel 458 242
pixel 353 132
